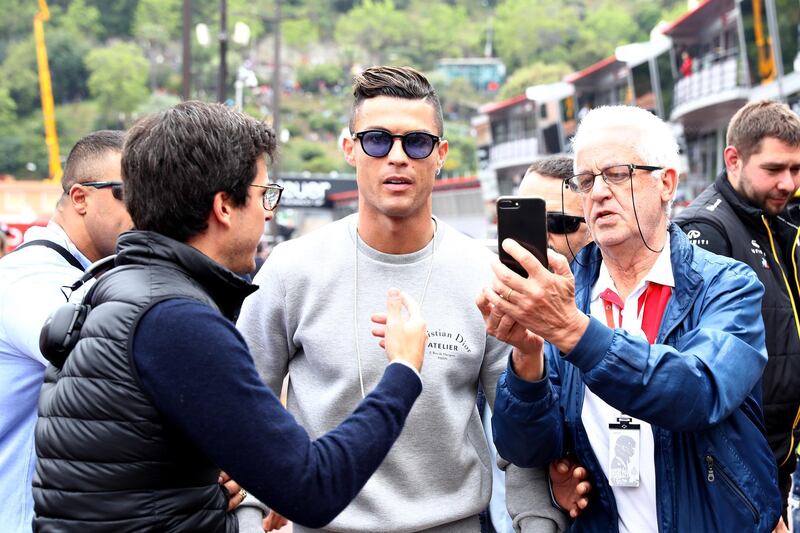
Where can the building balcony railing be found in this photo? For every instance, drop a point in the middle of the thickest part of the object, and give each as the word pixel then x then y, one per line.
pixel 719 76
pixel 512 153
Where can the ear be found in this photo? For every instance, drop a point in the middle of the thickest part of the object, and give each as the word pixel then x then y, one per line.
pixel 78 198
pixel 442 152
pixel 733 160
pixel 669 184
pixel 221 210
pixel 348 145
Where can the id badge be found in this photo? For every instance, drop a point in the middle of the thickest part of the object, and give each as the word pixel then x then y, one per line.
pixel 623 453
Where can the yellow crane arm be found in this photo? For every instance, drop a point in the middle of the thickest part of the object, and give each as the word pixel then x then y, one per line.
pixel 46 90
pixel 766 59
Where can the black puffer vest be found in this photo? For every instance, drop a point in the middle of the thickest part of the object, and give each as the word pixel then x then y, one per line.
pixel 107 459
pixel 749 240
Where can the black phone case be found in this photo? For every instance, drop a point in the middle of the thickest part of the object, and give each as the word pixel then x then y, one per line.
pixel 524 219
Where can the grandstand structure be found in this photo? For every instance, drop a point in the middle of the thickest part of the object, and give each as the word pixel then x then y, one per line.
pixel 738 50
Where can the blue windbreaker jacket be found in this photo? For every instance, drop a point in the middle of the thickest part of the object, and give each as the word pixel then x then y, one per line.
pixel 698 385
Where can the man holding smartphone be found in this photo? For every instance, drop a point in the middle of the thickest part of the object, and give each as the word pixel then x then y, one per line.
pixel 661 402
pixel 567 232
pixel 309 318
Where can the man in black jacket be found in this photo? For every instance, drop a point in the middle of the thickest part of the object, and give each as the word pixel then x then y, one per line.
pixel 741 215
pixel 160 392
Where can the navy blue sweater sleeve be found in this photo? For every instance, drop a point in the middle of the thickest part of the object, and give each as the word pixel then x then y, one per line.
pixel 196 368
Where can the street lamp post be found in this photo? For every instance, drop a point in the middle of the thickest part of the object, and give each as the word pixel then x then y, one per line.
pixel 223 50
pixel 276 86
pixel 186 67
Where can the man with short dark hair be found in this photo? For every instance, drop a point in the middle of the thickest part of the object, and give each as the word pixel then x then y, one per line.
pixel 567 232
pixel 89 216
pixel 741 215
pixel 437 477
pixel 160 391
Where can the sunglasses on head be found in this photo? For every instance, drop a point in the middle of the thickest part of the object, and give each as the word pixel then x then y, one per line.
pixel 378 143
pixel 562 224
pixel 116 187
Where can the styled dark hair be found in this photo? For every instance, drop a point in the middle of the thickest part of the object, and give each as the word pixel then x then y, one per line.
pixel 398 82
pixel 81 160
pixel 760 119
pixel 558 167
pixel 174 162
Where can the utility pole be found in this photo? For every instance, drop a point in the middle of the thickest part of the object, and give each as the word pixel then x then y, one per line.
pixel 223 50
pixel 276 86
pixel 187 50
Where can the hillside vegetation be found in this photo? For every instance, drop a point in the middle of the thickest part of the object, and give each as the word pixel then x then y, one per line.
pixel 115 60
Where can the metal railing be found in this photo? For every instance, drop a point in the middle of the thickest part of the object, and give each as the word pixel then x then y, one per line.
pixel 713 78
pixel 511 152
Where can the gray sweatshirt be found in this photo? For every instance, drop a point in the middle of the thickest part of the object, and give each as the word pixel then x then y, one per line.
pixel 304 320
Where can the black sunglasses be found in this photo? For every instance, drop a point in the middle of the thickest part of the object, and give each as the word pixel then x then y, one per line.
pixel 562 224
pixel 378 143
pixel 116 187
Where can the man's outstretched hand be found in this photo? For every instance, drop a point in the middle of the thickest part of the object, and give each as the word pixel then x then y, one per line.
pixel 570 486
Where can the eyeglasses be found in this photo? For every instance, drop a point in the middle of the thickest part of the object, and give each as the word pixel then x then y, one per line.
pixel 378 143
pixel 271 196
pixel 614 175
pixel 116 187
pixel 562 224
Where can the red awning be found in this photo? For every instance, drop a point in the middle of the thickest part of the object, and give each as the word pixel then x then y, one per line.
pixel 600 65
pixel 696 19
pixel 496 106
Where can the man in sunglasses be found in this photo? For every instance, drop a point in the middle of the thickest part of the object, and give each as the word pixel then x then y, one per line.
pixel 741 215
pixel 88 219
pixel 310 318
pixel 567 232
pixel 652 345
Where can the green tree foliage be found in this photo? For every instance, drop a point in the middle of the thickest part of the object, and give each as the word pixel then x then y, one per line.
pixel 67 70
pixel 155 24
pixel 18 74
pixel 526 31
pixel 534 74
pixel 156 102
pixel 157 21
pixel 17 20
pixel 300 33
pixel 372 30
pixel 118 78
pixel 603 29
pixel 459 99
pixel 578 33
pixel 442 30
pixel 306 22
pixel 22 143
pixel 461 159
pixel 8 109
pixel 66 47
pixel 99 76
pixel 304 155
pixel 116 17
pixel 80 21
pixel 312 78
pixel 377 32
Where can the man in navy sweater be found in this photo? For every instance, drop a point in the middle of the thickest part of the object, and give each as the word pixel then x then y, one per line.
pixel 160 392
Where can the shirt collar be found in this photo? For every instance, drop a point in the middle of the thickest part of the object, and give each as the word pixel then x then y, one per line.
pixel 55 233
pixel 660 272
